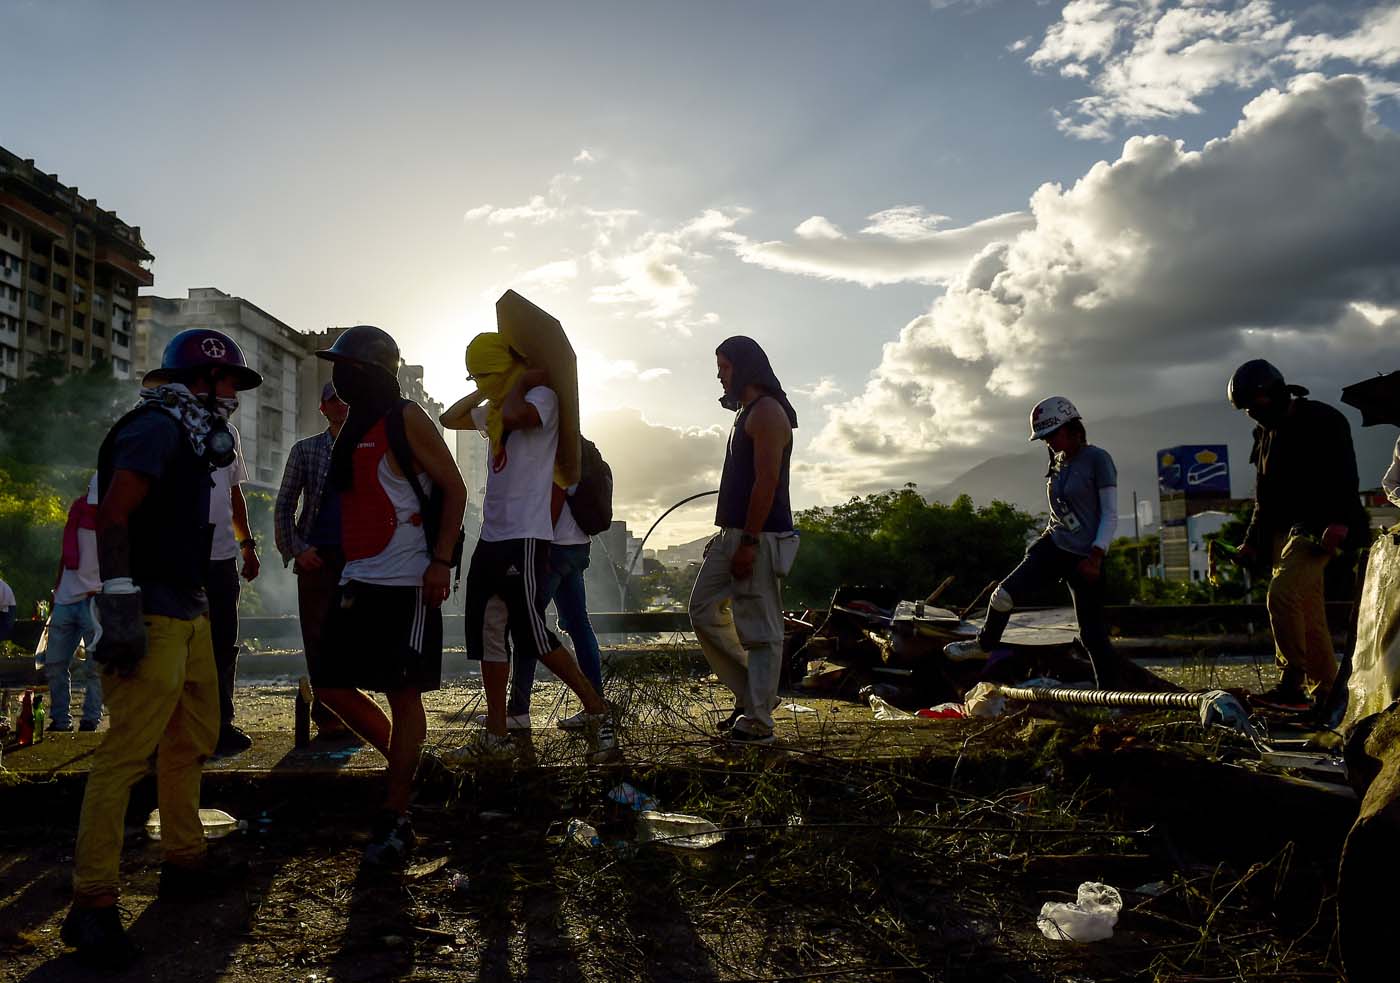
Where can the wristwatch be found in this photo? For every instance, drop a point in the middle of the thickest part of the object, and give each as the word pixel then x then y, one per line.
pixel 248 544
pixel 746 540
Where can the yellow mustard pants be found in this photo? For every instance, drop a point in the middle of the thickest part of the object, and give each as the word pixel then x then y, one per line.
pixel 170 704
pixel 1298 615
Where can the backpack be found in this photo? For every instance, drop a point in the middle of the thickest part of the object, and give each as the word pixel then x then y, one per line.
pixel 591 499
pixel 430 507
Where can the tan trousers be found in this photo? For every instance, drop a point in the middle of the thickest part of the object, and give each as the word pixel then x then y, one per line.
pixel 739 624
pixel 1298 615
pixel 170 703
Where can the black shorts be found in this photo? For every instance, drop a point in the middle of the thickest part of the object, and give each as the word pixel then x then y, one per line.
pixel 513 570
pixel 380 638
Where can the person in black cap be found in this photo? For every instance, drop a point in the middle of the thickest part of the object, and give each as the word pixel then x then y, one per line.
pixel 736 604
pixel 401 500
pixel 153 642
pixel 310 539
pixel 1306 510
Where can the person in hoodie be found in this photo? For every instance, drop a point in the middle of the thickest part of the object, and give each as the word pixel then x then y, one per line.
pixel 736 603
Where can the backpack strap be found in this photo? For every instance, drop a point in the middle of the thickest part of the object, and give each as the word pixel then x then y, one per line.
pixel 403 454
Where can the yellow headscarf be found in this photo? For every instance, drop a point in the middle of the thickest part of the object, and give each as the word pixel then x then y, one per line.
pixel 495 369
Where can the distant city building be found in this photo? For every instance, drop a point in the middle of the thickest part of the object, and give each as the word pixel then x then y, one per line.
pixel 473 452
pixel 269 417
pixel 685 554
pixel 69 273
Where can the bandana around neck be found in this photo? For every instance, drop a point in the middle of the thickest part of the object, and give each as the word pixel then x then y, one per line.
pixel 188 410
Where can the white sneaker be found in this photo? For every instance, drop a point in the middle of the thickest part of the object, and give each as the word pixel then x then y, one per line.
pixel 483 745
pixel 581 720
pixel 514 721
pixel 964 651
pixel 605 749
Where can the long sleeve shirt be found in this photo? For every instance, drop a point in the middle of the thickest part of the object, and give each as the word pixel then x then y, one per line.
pixel 1391 481
pixel 1306 477
pixel 304 480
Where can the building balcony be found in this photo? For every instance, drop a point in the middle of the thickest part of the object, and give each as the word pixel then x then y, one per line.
pixel 10 307
pixel 125 265
pixel 11 275
pixel 45 221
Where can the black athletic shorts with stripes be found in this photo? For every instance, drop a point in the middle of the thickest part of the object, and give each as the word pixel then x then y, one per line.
pixel 381 638
pixel 513 570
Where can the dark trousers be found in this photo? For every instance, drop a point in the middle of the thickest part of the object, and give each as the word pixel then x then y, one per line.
pixel 315 591
pixel 563 586
pixel 223 587
pixel 1044 565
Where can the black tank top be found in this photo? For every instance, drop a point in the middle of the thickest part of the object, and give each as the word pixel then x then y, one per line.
pixel 736 484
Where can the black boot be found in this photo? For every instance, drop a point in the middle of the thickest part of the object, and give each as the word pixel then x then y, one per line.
pixel 98 936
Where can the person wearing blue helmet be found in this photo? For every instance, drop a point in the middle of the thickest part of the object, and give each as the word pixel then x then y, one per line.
pixel 153 643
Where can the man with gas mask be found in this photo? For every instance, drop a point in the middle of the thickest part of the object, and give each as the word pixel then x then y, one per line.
pixel 736 604
pixel 401 500
pixel 1306 510
pixel 153 642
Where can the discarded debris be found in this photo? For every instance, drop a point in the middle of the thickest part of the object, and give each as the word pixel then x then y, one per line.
pixel 984 700
pixel 217 824
pixel 633 797
pixel 677 829
pixel 1090 918
pixel 420 871
pixel 884 711
pixel 797 708
pixel 582 833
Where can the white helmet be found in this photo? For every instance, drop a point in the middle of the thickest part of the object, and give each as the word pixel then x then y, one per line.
pixel 1050 414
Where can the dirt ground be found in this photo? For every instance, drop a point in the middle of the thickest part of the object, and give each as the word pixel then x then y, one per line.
pixel 854 851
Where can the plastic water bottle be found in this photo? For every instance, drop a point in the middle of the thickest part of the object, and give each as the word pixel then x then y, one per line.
pixel 582 833
pixel 677 829
pixel 217 824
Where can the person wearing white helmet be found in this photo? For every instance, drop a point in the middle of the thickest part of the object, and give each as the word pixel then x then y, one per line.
pixel 1082 488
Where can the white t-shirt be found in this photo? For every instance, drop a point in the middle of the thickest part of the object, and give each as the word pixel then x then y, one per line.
pixel 518 494
pixel 566 530
pixel 225 546
pixel 7 596
pixel 74 585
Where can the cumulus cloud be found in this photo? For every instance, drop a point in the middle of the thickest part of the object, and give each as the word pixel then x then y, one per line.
pixel 549 275
pixel 536 211
pixel 899 245
pixel 655 466
pixel 584 156
pixel 823 389
pixel 1145 282
pixel 653 275
pixel 1147 60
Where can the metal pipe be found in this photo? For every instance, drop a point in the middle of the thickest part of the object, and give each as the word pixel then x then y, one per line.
pixel 1104 698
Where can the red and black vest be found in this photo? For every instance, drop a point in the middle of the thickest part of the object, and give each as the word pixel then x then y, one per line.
pixel 367 514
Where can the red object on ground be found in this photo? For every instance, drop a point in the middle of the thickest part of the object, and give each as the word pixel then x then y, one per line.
pixel 944 711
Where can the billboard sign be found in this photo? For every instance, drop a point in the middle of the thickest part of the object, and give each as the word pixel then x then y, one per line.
pixel 1195 469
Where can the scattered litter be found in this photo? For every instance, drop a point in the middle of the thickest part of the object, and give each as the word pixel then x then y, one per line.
pixel 629 795
pixel 677 829
pixel 984 700
pixel 446 950
pixel 459 882
pixel 885 691
pixel 1220 709
pixel 582 833
pixel 1089 919
pixel 944 711
pixel 884 711
pixel 419 871
pixel 217 824
pixel 797 708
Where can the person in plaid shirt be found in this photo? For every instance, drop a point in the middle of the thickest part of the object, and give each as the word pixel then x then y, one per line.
pixel 310 541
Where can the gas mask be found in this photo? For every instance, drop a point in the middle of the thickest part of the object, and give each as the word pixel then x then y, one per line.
pixel 220 449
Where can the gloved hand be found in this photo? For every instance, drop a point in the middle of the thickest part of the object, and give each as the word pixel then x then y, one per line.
pixel 121 631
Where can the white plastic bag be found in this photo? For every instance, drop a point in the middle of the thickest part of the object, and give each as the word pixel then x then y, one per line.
pixel 984 700
pixel 884 711
pixel 1375 662
pixel 1089 919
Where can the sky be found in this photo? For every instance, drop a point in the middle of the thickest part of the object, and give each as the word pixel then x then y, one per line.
pixel 930 214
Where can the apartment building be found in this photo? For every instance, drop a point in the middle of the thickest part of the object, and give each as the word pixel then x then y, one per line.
pixel 69 273
pixel 268 418
pixel 317 372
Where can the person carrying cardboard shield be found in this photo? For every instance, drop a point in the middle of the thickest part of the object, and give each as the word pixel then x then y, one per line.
pixel 511 561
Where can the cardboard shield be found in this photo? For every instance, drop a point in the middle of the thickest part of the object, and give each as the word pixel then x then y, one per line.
pixel 540 338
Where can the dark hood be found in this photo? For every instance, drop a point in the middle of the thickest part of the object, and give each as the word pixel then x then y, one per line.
pixel 751 368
